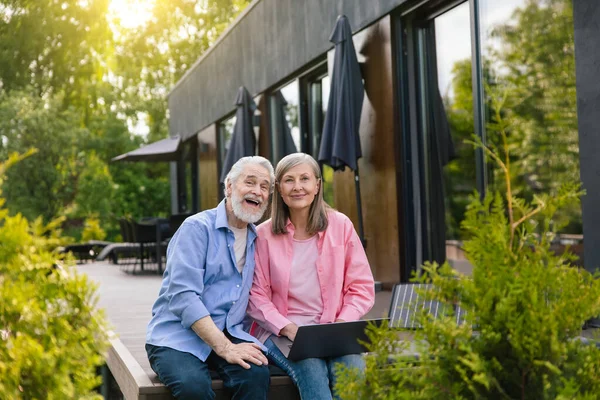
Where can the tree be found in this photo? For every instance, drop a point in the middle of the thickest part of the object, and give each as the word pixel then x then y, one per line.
pixel 52 45
pixel 533 76
pixel 94 189
pixel 529 73
pixel 71 82
pixel 150 60
pixel 522 309
pixel 46 182
pixel 52 336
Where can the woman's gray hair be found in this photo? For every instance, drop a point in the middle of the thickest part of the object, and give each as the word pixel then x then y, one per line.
pixel 238 167
pixel 317 215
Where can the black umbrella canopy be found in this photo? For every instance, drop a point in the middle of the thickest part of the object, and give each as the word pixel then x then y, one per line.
pixel 340 143
pixel 243 141
pixel 163 150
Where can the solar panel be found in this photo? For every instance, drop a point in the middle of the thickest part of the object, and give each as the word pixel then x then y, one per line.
pixel 460 315
pixel 408 302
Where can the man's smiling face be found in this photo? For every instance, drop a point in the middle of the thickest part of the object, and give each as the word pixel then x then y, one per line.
pixel 249 194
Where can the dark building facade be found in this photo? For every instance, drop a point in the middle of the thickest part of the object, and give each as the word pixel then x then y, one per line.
pixel 437 74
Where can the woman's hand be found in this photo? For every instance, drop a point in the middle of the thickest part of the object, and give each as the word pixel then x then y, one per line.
pixel 290 330
pixel 339 320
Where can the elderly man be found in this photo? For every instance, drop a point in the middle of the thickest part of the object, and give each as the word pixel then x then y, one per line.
pixel 198 319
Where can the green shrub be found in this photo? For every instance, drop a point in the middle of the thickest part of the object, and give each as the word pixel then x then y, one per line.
pixel 524 306
pixel 92 230
pixel 51 335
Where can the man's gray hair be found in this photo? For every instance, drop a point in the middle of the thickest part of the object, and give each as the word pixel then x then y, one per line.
pixel 238 167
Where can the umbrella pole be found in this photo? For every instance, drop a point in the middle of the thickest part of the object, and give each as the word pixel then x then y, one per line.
pixel 361 230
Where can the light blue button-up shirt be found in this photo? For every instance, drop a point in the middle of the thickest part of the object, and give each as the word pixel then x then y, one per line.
pixel 201 279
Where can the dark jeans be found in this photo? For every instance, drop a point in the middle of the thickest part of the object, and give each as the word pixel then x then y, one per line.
pixel 189 378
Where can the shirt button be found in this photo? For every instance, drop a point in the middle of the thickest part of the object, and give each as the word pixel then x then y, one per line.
pixel 233 302
pixel 237 285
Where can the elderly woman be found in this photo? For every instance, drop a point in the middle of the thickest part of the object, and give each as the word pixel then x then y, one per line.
pixel 310 269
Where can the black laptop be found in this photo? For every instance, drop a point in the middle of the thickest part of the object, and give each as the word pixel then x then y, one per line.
pixel 325 340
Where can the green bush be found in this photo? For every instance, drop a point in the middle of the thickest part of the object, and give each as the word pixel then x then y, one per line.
pixel 52 338
pixel 92 230
pixel 524 306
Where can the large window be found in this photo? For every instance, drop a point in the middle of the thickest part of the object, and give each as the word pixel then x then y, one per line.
pixel 316 91
pixel 474 68
pixel 297 113
pixel 528 67
pixel 225 131
pixel 284 121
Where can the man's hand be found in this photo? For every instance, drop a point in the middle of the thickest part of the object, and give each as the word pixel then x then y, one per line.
pixel 290 330
pixel 240 353
pixel 232 353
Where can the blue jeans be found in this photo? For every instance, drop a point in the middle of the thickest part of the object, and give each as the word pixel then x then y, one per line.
pixel 314 377
pixel 187 377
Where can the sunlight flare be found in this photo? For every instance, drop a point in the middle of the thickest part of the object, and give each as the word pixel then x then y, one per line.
pixel 131 14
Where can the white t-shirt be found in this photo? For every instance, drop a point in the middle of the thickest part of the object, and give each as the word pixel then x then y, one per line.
pixel 239 246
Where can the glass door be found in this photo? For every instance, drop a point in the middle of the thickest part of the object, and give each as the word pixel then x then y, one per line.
pixel 443 165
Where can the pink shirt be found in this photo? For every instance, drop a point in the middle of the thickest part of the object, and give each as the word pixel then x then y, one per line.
pixel 345 280
pixel 305 305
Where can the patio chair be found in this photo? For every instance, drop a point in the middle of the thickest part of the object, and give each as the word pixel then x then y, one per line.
pixel 125 228
pixel 125 248
pixel 144 235
pixel 176 220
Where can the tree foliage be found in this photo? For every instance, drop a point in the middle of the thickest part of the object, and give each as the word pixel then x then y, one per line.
pixel 523 308
pixel 52 338
pixel 52 45
pixel 94 188
pixel 74 81
pixel 46 182
pixel 151 60
pixel 532 82
pixel 529 74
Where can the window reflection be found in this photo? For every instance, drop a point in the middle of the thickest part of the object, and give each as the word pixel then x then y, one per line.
pixel 528 60
pixel 453 54
pixel 447 162
pixel 527 75
pixel 285 125
pixel 318 95
pixel 318 98
pixel 225 133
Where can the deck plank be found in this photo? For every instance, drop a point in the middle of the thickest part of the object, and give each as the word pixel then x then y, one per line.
pixel 127 300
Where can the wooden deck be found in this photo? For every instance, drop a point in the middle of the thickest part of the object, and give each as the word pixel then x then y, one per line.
pixel 127 300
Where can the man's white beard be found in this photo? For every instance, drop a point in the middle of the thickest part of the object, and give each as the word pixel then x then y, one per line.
pixel 246 216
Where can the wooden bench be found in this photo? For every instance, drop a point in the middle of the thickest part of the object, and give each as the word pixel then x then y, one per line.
pixel 135 383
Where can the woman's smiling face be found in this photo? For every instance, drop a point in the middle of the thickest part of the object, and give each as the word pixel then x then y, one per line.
pixel 298 187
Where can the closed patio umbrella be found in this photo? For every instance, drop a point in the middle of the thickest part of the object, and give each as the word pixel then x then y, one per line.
pixel 243 141
pixel 340 143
